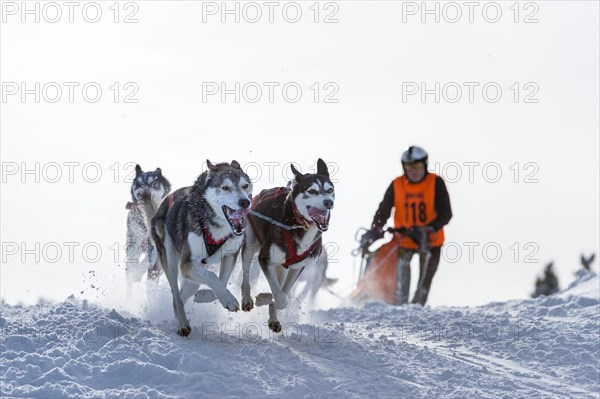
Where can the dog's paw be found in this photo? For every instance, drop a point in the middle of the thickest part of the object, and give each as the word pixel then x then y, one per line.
pixel 204 296
pixel 247 304
pixel 275 326
pixel 232 306
pixel 184 331
pixel 264 299
pixel 229 302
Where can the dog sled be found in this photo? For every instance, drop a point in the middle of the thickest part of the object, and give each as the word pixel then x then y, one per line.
pixel 378 277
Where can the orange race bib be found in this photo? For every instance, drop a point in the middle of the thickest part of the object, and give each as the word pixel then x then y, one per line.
pixel 415 206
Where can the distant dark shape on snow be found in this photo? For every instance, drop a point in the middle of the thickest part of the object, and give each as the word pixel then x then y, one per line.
pixel 547 285
pixel 586 263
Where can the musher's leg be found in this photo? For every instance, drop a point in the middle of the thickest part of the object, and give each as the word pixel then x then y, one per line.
pixel 403 275
pixel 427 271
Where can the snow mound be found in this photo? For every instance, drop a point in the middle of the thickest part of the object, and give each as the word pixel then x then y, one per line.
pixel 543 347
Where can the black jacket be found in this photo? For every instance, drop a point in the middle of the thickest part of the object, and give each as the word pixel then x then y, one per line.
pixel 442 206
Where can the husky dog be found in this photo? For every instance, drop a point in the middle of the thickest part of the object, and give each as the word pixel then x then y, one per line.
pixel 153 187
pixel 203 225
pixel 287 224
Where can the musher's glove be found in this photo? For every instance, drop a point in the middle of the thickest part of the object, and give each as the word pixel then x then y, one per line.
pixel 370 237
pixel 401 230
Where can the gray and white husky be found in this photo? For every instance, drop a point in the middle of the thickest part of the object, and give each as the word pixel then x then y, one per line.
pixel 141 256
pixel 287 223
pixel 203 225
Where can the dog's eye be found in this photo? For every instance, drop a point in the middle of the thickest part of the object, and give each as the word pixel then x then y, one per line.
pixel 225 188
pixel 330 191
pixel 245 186
pixel 313 192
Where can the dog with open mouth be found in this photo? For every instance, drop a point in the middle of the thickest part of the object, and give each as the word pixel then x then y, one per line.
pixel 286 228
pixel 203 225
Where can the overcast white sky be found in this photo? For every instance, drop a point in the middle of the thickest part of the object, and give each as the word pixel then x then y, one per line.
pixel 545 143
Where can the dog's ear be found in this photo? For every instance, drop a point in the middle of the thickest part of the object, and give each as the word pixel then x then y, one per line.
pixel 322 168
pixel 235 164
pixel 138 170
pixel 159 171
pixel 295 172
pixel 210 165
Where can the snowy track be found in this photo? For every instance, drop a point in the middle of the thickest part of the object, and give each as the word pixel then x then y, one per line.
pixel 547 347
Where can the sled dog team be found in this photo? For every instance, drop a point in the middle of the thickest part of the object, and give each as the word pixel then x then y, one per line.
pixel 218 219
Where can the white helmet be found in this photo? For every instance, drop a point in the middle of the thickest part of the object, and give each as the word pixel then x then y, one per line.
pixel 414 154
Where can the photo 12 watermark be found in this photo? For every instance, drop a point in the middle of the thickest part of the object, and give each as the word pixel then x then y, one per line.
pixel 69 92
pixel 53 12
pixel 53 172
pixel 270 172
pixel 120 328
pixel 490 252
pixel 252 12
pixel 91 252
pixel 469 92
pixel 269 92
pixel 467 331
pixel 453 12
pixel 488 172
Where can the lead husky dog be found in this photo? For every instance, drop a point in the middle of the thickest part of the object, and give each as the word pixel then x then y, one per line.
pixel 200 225
pixel 153 187
pixel 287 224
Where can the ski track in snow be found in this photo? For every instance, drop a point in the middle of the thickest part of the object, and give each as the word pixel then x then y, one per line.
pixel 538 348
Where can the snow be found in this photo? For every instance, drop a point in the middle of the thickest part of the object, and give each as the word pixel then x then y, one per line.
pixel 537 348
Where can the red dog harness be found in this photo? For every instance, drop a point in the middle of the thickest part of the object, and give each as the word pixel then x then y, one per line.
pixel 292 255
pixel 291 249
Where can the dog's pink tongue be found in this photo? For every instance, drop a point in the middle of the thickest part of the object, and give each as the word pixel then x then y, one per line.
pixel 318 215
pixel 237 219
pixel 239 214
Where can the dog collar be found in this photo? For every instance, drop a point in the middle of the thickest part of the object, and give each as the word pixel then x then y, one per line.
pixel 300 220
pixel 131 205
